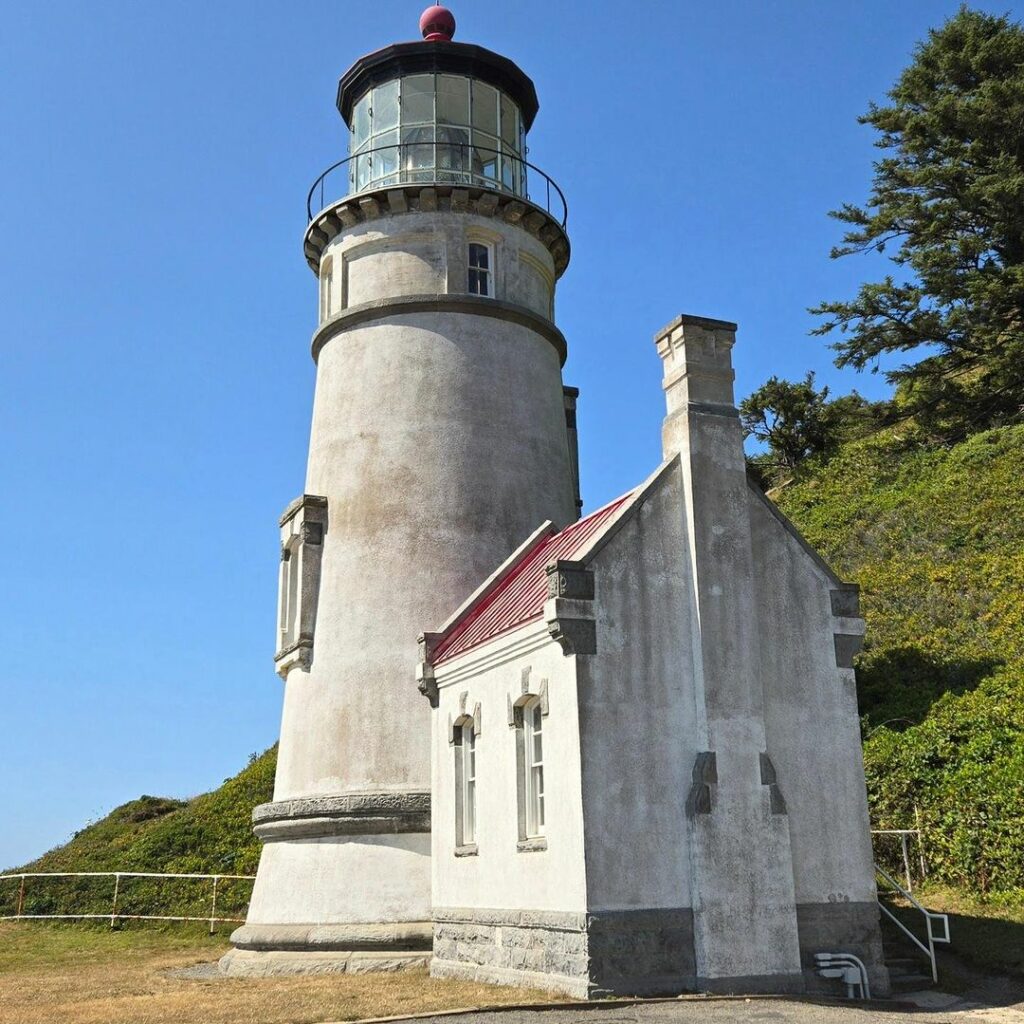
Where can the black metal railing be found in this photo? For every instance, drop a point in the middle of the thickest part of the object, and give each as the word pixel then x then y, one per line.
pixel 437 163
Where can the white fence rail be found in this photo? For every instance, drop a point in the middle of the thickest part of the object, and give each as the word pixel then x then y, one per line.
pixel 115 915
pixel 931 920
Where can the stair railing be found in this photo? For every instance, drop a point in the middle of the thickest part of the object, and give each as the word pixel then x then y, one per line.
pixel 931 920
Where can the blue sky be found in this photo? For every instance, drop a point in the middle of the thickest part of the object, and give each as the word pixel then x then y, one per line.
pixel 157 312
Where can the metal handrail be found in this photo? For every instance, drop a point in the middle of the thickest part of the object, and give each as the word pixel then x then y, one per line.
pixel 904 834
pixel 929 917
pixel 114 915
pixel 554 199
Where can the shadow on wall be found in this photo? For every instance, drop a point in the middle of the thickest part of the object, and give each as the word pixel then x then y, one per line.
pixel 897 688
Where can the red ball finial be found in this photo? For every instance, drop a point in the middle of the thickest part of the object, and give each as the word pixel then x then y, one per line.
pixel 437 24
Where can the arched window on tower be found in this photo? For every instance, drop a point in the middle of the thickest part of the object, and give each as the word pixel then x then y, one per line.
pixel 326 287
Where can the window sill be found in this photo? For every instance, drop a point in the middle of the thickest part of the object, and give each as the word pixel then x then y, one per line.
pixel 466 850
pixel 533 845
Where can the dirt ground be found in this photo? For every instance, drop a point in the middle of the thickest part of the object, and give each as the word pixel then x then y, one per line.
pixel 84 975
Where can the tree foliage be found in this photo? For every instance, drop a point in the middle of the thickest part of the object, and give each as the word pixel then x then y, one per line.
pixel 797 422
pixel 948 197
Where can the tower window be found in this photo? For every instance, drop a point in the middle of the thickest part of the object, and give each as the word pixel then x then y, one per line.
pixel 481 281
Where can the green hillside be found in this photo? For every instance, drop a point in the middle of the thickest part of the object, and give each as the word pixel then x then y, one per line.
pixel 935 538
pixel 210 834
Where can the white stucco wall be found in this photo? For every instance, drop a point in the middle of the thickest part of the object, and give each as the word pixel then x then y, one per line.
pixel 812 724
pixel 640 720
pixel 500 876
pixel 343 878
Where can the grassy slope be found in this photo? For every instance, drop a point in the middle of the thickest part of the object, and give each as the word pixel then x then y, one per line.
pixel 935 537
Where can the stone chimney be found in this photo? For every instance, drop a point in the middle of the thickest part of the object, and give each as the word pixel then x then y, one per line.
pixel 696 356
pixel 739 851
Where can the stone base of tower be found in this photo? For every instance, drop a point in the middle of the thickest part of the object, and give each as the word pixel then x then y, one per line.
pixel 331 896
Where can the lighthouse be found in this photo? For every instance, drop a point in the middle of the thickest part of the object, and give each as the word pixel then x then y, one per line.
pixel 442 436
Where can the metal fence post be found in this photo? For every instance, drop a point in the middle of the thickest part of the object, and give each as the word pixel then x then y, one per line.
pixel 113 907
pixel 21 896
pixel 213 904
pixel 906 861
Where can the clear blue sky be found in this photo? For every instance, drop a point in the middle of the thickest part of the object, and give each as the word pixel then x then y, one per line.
pixel 157 311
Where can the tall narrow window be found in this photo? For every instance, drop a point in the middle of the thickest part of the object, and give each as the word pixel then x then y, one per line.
pixel 288 601
pixel 481 281
pixel 464 736
pixel 326 287
pixel 533 734
pixel 468 784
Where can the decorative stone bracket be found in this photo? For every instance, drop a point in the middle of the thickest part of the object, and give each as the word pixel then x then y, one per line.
pixel 426 683
pixel 848 628
pixel 705 776
pixel 770 779
pixel 569 610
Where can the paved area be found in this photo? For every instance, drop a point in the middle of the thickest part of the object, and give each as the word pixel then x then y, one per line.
pixel 931 1008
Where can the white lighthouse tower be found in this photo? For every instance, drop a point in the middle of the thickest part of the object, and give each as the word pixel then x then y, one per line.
pixel 442 436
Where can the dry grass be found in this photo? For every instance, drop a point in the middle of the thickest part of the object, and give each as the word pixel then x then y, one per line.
pixel 84 975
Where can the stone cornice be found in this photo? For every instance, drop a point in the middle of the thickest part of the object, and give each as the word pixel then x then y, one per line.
pixel 378 309
pixel 396 200
pixel 343 814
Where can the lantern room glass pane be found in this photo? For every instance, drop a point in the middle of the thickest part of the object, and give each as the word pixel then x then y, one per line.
pixel 385 107
pixel 485 108
pixel 361 121
pixel 486 159
pixel 509 122
pixel 417 99
pixel 385 157
pixel 452 100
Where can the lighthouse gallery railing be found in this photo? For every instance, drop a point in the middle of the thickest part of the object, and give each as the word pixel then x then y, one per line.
pixel 436 163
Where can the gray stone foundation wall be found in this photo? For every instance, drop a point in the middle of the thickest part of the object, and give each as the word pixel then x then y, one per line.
pixel 841 928
pixel 621 952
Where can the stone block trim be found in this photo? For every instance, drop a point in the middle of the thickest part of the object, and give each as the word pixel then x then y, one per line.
pixel 628 952
pixel 342 814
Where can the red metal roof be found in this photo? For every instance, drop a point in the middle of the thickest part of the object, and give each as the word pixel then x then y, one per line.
pixel 520 597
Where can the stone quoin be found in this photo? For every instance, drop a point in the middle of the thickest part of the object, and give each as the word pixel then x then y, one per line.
pixel 623 755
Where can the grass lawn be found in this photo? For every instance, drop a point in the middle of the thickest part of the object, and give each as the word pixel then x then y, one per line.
pixel 83 974
pixel 989 935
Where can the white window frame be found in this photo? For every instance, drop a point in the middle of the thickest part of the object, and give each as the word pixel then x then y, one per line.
pixel 487 272
pixel 288 599
pixel 468 784
pixel 533 764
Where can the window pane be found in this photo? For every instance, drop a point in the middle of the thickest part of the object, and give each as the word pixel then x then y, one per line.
pixel 385 159
pixel 538 747
pixel 361 121
pixel 478 255
pixel 417 99
pixel 485 107
pixel 485 155
pixel 452 99
pixel 417 154
pixel 510 168
pixel 509 122
pixel 385 106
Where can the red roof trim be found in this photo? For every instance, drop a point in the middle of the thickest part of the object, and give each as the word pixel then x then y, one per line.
pixel 520 597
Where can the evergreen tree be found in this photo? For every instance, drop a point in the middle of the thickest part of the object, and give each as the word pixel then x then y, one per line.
pixel 949 195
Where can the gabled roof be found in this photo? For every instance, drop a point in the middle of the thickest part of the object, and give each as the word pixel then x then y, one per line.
pixel 519 598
